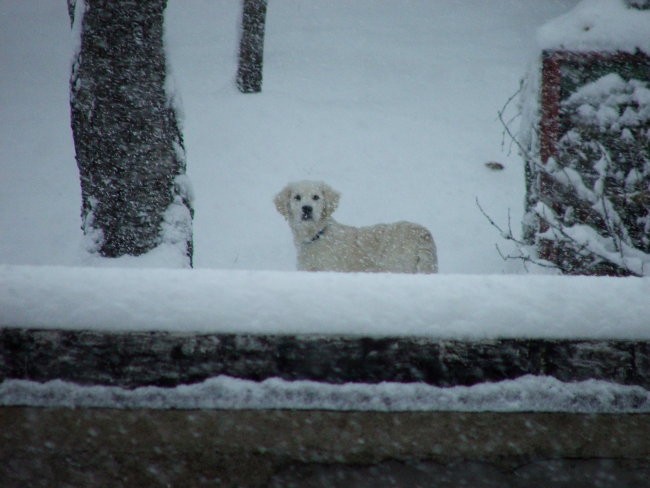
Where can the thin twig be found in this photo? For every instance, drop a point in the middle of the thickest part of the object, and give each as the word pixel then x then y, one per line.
pixel 519 244
pixel 559 231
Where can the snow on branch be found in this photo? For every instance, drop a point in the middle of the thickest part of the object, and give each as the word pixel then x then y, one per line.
pixel 588 206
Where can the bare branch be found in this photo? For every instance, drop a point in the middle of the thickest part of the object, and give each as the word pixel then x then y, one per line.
pixel 613 224
pixel 524 257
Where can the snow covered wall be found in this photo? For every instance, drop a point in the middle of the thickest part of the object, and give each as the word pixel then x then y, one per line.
pixel 259 302
pixel 322 328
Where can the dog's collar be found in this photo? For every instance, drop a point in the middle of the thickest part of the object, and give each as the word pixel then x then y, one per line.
pixel 318 235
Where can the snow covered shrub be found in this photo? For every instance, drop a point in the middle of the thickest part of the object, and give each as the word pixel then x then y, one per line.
pixel 587 151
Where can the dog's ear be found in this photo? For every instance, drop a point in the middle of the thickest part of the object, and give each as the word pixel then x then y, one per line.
pixel 281 201
pixel 331 200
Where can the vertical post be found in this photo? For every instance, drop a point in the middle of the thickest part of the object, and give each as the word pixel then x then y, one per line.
pixel 251 47
pixel 549 135
pixel 550 104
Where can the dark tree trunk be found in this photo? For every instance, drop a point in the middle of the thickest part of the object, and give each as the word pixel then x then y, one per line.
pixel 251 48
pixel 129 148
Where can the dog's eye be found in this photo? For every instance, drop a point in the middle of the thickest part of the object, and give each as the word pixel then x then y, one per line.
pixel 315 198
pixel 297 197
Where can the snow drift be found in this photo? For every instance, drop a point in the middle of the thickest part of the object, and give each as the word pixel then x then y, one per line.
pixel 528 393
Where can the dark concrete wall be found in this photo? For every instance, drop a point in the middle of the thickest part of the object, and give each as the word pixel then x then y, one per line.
pixel 51 447
pixel 103 447
pixel 132 359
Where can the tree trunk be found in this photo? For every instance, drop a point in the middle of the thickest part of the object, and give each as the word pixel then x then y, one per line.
pixel 251 48
pixel 129 148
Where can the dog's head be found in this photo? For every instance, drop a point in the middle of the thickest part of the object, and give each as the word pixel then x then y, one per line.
pixel 307 204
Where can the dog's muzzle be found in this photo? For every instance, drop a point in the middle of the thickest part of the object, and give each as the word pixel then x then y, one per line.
pixel 307 212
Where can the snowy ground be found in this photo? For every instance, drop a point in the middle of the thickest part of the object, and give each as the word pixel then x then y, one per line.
pixel 393 103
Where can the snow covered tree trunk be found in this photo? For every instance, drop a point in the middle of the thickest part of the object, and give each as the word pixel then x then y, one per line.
pixel 128 144
pixel 251 48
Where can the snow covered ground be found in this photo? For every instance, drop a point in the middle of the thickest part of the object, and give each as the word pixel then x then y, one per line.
pixel 393 103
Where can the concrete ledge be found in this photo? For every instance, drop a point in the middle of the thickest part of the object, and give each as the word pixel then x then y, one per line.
pixel 132 359
pixel 313 448
pixel 103 447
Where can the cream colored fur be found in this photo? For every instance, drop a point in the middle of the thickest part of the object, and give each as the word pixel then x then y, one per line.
pixel 325 245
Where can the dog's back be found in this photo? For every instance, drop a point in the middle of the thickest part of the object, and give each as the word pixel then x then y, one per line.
pixel 402 247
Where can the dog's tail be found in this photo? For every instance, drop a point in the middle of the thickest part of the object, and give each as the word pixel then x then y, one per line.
pixel 427 256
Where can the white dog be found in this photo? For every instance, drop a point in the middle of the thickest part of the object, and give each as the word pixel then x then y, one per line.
pixel 325 245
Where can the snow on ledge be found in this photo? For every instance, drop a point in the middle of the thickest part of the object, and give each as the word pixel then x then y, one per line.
pixel 525 394
pixel 265 302
pixel 598 25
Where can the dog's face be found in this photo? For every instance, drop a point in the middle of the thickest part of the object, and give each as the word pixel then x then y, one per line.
pixel 306 203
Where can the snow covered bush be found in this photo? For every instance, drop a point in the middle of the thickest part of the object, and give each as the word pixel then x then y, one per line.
pixel 589 209
pixel 585 140
pixel 605 159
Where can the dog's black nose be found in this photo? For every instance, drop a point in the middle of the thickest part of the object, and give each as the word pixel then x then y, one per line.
pixel 307 212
